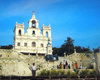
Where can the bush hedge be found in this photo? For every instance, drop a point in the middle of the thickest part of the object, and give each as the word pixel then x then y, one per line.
pixel 78 72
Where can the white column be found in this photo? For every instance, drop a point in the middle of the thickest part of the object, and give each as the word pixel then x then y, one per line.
pixel 30 23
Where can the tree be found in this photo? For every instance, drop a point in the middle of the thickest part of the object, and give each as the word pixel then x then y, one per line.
pixel 55 51
pixel 6 47
pixel 68 46
pixel 80 49
pixel 96 50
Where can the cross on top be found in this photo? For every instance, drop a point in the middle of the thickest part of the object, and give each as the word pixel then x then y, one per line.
pixel 33 11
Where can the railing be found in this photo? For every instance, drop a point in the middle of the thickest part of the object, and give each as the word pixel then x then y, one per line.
pixel 49 78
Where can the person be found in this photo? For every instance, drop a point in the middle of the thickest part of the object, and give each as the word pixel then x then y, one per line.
pixel 73 65
pixel 83 67
pixel 64 64
pixel 76 65
pixel 61 66
pixel 33 68
pixel 69 66
pixel 80 67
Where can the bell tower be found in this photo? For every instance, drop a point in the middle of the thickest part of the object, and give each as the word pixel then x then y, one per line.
pixel 18 32
pixel 33 28
pixel 33 22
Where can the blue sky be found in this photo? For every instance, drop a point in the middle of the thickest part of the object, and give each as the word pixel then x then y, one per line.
pixel 78 19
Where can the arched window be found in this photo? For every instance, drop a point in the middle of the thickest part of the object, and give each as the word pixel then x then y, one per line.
pixel 19 32
pixel 25 44
pixel 18 44
pixel 34 24
pixel 33 32
pixel 46 34
pixel 33 44
pixel 41 45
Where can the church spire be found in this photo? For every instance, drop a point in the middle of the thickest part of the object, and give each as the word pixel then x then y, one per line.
pixel 33 16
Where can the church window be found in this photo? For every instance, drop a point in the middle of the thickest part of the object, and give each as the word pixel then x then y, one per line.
pixel 46 34
pixel 19 32
pixel 41 45
pixel 33 32
pixel 33 44
pixel 25 44
pixel 18 44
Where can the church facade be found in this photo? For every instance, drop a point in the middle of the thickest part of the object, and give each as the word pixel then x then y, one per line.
pixel 33 41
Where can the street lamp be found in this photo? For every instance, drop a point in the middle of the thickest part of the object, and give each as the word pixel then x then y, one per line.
pixel 47 51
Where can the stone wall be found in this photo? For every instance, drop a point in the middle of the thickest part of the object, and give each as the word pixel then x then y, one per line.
pixel 97 62
pixel 14 63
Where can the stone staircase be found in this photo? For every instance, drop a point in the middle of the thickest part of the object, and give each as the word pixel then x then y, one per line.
pixel 20 63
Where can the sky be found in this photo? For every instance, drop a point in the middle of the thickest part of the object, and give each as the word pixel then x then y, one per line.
pixel 78 19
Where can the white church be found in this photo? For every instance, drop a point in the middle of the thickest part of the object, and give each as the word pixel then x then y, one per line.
pixel 33 41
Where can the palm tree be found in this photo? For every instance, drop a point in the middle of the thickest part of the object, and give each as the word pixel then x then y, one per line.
pixel 69 44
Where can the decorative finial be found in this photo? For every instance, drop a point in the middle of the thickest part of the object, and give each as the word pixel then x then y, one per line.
pixel 33 16
pixel 33 11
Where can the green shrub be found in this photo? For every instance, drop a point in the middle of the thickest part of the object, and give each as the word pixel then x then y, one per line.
pixel 68 74
pixel 84 73
pixel 61 72
pixel 93 73
pixel 77 72
pixel 48 72
pixel 54 72
pixel 90 66
pixel 43 72
pixel 73 74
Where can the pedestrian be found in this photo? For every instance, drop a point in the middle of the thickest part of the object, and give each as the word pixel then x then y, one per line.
pixel 33 68
pixel 80 67
pixel 73 65
pixel 64 64
pixel 76 65
pixel 83 67
pixel 69 66
pixel 61 66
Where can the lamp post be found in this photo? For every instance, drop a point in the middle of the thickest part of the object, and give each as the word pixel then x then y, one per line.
pixel 64 54
pixel 47 54
pixel 47 51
